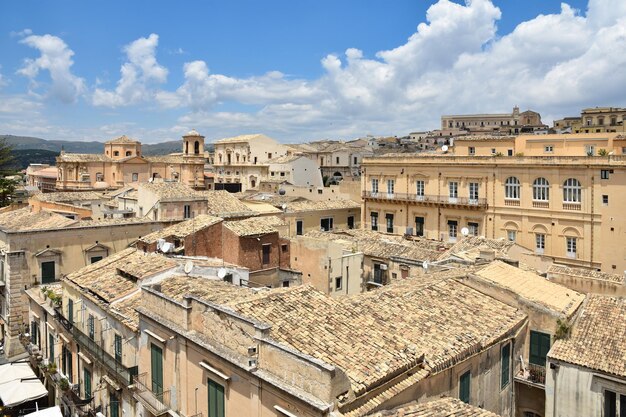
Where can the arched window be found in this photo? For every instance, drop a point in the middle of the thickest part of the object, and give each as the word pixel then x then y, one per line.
pixel 541 189
pixel 129 153
pixel 196 147
pixel 572 191
pixel 512 188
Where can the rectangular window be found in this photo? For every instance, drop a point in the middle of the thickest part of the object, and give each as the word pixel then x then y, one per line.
pixel 117 344
pixel 570 247
pixel 266 254
pixel 419 189
pixel 604 173
pixel 419 226
pixel 91 327
pixel 47 272
pixel 590 150
pixel 350 222
pixel 216 399
pixel 374 186
pixel 135 177
pixel 337 160
pixel 34 327
pixel 473 228
pixel 453 190
pixel 299 227
pixel 622 405
pixel 493 151
pixel 464 387
pixel 390 187
pixel 473 192
pixel 338 283
pixel 605 200
pixel 471 150
pixel 540 242
pixel 452 229
pixel 156 369
pixel 610 406
pixel 355 161
pixel 539 347
pixel 374 220
pixel 114 405
pixel 389 218
pixel 87 383
pixel 187 211
pixel 505 361
pixel 511 235
pixel 326 224
pixel 509 152
pixel 548 149
pixel 95 259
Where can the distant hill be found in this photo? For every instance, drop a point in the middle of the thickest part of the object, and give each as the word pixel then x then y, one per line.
pixel 32 143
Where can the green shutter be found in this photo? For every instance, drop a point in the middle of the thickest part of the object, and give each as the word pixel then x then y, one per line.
pixel 51 348
pixel 114 405
pixel 47 272
pixel 539 347
pixel 464 387
pixel 70 310
pixel 506 365
pixel 156 369
pixel 216 399
pixel 33 332
pixel 87 381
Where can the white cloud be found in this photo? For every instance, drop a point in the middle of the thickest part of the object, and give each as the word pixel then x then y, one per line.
pixel 21 33
pixel 56 58
pixel 139 76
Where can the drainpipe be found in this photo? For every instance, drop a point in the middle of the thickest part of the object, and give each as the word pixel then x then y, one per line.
pixel 592 215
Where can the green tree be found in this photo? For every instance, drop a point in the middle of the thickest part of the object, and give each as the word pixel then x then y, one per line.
pixel 6 155
pixel 7 188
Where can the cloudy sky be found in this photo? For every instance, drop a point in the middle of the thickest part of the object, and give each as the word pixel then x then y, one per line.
pixel 299 70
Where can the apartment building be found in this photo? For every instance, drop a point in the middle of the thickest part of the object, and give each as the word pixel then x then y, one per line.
pixel 305 216
pixel 39 248
pixel 502 123
pixel 594 120
pixel 122 162
pixel 295 170
pixel 586 372
pixel 566 208
pixel 241 162
pixel 210 347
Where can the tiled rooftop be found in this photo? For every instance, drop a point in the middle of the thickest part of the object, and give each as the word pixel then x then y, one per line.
pixel 532 287
pixel 165 159
pixel 24 220
pixel 484 138
pixel 381 245
pixel 122 139
pixel 598 339
pixel 170 191
pixel 444 407
pixel 64 197
pixel 254 225
pixel 585 273
pixel 304 206
pixel 83 157
pixel 473 244
pixel 211 290
pixel 374 335
pixel 182 229
pixel 223 204
pixel 103 278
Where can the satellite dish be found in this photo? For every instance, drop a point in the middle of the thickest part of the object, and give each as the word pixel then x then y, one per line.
pixel 465 231
pixel 221 273
pixel 150 179
pixel 425 265
pixel 444 148
pixel 284 206
pixel 188 267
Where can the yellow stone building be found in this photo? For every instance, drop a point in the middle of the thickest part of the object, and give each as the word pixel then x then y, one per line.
pixel 564 204
pixel 122 163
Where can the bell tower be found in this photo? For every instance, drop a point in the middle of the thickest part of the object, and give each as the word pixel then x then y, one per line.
pixel 193 144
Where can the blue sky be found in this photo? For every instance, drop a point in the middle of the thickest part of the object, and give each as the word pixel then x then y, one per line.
pixel 298 70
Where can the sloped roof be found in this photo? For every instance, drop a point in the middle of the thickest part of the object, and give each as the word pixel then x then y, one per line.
pixel 170 191
pixel 585 273
pixel 69 196
pixel 444 407
pixel 82 157
pixel 303 206
pixel 254 225
pixel 182 229
pixel 532 287
pixel 122 139
pixel 223 204
pixel 598 339
pixel 24 220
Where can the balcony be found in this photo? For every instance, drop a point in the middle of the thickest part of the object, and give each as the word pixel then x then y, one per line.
pixel 67 325
pixel 541 204
pixel 97 352
pixel 511 202
pixel 531 374
pixel 571 206
pixel 432 200
pixel 156 403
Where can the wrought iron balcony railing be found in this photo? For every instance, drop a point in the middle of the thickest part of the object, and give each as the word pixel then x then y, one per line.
pixel 156 402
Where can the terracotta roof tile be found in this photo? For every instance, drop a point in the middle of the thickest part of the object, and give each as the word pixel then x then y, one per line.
pixel 182 229
pixel 304 206
pixel 444 407
pixel 585 273
pixel 24 220
pixel 598 339
pixel 254 225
